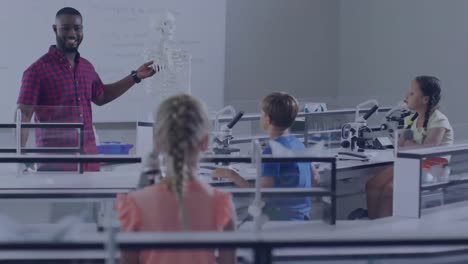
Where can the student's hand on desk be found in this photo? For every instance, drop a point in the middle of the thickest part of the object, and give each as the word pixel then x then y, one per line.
pixel 221 173
pixel 232 175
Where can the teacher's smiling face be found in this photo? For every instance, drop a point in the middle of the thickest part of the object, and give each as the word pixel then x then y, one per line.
pixel 68 32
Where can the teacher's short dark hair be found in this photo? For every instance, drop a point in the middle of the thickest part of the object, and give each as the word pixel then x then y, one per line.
pixel 68 11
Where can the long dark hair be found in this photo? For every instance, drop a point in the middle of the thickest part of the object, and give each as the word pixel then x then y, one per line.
pixel 430 87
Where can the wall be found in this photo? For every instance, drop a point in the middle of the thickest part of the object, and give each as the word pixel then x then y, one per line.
pixel 280 45
pixel 384 44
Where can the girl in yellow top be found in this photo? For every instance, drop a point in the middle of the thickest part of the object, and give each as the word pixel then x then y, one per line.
pixel 430 128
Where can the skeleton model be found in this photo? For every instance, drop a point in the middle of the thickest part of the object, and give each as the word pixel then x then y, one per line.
pixel 174 64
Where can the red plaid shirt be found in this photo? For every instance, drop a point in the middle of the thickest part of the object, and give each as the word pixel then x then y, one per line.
pixel 62 94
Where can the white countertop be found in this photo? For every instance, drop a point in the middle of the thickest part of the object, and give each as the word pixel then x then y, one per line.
pixel 127 176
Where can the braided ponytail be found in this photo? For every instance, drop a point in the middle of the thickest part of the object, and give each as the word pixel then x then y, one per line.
pixel 427 114
pixel 430 87
pixel 177 155
pixel 181 124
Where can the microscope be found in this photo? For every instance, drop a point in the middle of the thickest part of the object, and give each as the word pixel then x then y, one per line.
pixel 383 137
pixel 153 170
pixel 388 131
pixel 223 135
pixel 352 134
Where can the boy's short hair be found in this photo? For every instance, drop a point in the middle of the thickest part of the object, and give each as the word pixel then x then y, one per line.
pixel 281 108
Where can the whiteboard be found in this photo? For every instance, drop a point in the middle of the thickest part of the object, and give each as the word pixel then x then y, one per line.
pixel 115 35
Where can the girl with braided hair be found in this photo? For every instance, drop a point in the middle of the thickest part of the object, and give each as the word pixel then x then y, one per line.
pixel 179 202
pixel 430 128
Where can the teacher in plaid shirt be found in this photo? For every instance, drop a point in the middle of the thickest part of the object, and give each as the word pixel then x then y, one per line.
pixel 60 86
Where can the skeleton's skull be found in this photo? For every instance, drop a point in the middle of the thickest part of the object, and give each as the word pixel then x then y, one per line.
pixel 167 25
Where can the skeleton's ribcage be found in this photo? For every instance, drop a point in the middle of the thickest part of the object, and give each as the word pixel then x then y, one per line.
pixel 174 78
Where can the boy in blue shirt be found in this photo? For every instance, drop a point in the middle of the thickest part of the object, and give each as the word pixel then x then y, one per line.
pixel 278 112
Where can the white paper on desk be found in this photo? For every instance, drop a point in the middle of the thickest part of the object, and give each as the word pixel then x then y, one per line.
pixel 380 155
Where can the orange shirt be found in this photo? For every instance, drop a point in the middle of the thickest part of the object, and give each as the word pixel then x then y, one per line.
pixel 155 209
